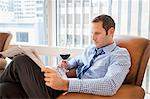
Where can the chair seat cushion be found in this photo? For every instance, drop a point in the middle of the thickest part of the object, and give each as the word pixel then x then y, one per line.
pixel 125 92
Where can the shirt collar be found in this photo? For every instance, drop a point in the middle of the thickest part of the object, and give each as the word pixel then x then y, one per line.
pixel 108 48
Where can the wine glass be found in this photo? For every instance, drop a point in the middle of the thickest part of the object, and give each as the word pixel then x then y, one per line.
pixel 65 53
pixel 65 56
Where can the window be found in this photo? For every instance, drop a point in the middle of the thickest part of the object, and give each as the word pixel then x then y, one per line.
pixel 26 16
pixel 73 19
pixel 27 21
pixel 22 36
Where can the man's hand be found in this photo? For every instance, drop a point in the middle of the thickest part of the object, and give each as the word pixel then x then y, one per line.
pixel 53 80
pixel 63 64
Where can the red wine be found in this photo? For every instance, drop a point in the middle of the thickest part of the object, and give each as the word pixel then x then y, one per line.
pixel 64 56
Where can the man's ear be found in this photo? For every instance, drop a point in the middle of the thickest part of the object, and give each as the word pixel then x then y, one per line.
pixel 111 31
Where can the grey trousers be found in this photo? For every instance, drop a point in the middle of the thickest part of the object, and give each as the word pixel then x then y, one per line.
pixel 24 79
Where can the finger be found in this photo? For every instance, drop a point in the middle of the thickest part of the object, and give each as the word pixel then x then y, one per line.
pixel 64 61
pixel 64 64
pixel 49 75
pixel 49 70
pixel 48 84
pixel 47 79
pixel 43 69
pixel 61 63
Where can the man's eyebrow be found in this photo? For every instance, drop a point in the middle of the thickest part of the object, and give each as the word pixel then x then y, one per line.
pixel 97 32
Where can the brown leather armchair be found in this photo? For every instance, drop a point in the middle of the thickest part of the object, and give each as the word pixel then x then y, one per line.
pixel 139 49
pixel 4 42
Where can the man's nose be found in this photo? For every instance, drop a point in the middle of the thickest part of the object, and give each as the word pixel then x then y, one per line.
pixel 93 37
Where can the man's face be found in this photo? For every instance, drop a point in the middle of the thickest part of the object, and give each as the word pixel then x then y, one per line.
pixel 99 35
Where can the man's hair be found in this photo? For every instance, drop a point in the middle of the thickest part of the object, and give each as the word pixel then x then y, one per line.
pixel 107 21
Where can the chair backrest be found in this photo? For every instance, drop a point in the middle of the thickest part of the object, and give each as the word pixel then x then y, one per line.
pixel 139 49
pixel 4 40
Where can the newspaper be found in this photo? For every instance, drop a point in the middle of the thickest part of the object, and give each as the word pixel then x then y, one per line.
pixel 32 53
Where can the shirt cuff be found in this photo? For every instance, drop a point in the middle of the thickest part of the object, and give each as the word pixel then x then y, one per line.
pixel 74 85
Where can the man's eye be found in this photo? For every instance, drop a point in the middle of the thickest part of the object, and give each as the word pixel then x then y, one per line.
pixel 97 33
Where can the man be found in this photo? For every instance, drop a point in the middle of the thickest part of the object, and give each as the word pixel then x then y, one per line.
pixel 101 69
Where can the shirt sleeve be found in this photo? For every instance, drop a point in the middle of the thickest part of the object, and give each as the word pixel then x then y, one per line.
pixel 78 61
pixel 75 62
pixel 108 85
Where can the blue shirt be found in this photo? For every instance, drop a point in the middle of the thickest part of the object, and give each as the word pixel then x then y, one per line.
pixel 106 74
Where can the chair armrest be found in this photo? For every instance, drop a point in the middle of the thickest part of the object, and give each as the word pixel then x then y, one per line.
pixel 3 63
pixel 71 73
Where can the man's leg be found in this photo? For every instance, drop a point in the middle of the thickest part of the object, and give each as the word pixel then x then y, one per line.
pixel 11 90
pixel 24 71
